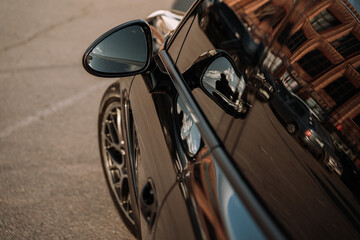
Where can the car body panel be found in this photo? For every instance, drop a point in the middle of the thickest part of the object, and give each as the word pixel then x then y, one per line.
pixel 264 155
pixel 153 147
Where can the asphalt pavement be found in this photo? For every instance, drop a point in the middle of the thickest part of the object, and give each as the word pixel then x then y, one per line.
pixel 51 181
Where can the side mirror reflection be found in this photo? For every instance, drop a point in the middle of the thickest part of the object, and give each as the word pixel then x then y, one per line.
pixel 122 51
pixel 226 86
pixel 189 132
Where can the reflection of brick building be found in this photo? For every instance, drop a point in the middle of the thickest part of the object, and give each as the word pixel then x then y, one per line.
pixel 325 51
pixel 323 48
pixel 201 184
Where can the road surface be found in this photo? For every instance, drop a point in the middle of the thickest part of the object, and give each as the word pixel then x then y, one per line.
pixel 51 181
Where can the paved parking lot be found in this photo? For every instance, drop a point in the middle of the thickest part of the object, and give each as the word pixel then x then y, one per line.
pixel 51 182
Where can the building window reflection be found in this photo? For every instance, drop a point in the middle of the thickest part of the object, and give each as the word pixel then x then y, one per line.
pixel 324 21
pixel 357 120
pixel 341 90
pixel 347 45
pixel 358 69
pixel 310 52
pixel 314 63
pixel 270 12
pixel 296 40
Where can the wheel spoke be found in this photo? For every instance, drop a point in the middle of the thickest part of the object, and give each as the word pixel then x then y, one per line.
pixel 118 124
pixel 107 138
pixel 128 203
pixel 109 143
pixel 118 184
pixel 114 120
pixel 112 131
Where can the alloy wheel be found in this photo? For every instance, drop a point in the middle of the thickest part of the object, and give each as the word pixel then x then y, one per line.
pixel 291 128
pixel 113 157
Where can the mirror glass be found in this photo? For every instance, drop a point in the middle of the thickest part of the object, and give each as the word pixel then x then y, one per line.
pixel 225 85
pixel 123 51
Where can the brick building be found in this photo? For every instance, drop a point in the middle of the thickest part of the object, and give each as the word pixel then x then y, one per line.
pixel 317 53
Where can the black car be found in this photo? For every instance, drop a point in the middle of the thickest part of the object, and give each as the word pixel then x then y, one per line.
pixel 188 151
pixel 294 113
pixel 300 121
pixel 350 175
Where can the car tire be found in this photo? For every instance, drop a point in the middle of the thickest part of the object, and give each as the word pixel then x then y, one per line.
pixel 322 156
pixel 115 157
pixel 291 128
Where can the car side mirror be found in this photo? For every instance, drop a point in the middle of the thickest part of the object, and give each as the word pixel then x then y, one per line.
pixel 221 80
pixel 123 51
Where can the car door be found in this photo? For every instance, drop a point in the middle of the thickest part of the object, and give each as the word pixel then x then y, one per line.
pixel 268 158
pixel 159 164
pixel 175 162
pixel 197 199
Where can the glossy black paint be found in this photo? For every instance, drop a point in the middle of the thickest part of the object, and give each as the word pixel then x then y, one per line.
pixel 247 177
pixel 248 200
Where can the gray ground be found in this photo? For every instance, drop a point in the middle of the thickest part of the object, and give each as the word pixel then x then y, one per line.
pixel 51 182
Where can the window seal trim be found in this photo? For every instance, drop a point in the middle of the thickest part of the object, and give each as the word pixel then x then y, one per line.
pixel 181 24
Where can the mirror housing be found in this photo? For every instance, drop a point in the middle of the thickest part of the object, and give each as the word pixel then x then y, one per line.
pixel 125 50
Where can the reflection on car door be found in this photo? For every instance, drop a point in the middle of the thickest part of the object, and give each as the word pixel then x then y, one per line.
pixel 196 44
pixel 156 162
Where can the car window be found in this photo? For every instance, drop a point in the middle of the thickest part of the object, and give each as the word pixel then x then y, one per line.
pixel 299 108
pixel 176 41
pixel 194 46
